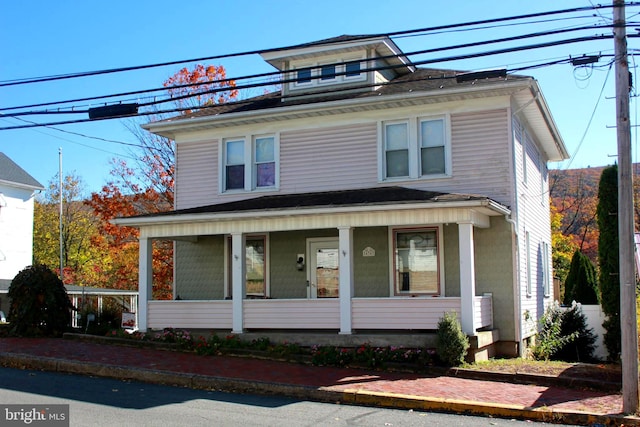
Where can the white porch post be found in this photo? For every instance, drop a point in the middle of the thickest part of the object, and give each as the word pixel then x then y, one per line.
pixel 145 281
pixel 345 245
pixel 467 278
pixel 237 281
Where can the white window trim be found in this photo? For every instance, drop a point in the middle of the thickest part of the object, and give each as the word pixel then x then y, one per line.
pixel 546 276
pixel 249 163
pixel 391 245
pixel 316 72
pixel 414 148
pixel 529 281
pixel 267 258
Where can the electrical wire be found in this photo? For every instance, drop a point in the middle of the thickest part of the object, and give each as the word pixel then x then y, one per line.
pixel 289 80
pixel 30 80
pixel 277 73
pixel 252 100
pixel 593 113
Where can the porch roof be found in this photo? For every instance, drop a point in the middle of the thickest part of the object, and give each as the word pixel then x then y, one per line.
pixel 326 202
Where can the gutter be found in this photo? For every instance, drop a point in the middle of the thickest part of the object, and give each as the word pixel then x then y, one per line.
pixel 166 127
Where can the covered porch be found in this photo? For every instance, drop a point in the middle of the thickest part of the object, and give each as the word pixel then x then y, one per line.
pixel 395 306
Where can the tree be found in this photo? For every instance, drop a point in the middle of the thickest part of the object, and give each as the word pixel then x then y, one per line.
pixel 608 257
pixel 574 196
pixel 562 247
pixel 39 303
pixel 84 255
pixel 147 184
pixel 582 283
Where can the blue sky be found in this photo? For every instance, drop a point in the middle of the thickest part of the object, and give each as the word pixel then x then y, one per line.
pixel 42 37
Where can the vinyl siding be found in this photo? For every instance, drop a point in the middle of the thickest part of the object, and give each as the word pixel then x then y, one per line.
pixel 533 218
pixel 331 158
pixel 196 173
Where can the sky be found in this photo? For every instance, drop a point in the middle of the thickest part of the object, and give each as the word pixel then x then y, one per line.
pixel 45 38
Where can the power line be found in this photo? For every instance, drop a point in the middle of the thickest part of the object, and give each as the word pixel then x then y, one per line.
pixel 30 80
pixel 251 100
pixel 377 68
pixel 276 73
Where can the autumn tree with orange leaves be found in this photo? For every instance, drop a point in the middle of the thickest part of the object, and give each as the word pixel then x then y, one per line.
pixel 146 184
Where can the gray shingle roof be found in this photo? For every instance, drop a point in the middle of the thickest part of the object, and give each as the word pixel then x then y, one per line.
pixel 342 198
pixel 422 80
pixel 12 173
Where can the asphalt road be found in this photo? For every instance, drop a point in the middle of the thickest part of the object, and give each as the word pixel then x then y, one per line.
pixel 106 402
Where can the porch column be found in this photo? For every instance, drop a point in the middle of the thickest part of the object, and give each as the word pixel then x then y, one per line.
pixel 237 281
pixel 467 278
pixel 345 246
pixel 145 281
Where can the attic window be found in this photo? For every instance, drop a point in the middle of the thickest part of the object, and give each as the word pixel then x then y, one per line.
pixel 328 72
pixel 352 69
pixel 304 76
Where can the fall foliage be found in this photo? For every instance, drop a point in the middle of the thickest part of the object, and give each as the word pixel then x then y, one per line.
pixel 146 185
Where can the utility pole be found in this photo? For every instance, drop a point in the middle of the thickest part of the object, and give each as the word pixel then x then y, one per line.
pixel 628 325
pixel 61 241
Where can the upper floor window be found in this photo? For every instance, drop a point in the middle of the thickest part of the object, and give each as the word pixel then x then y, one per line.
pixel 416 148
pixel 250 163
pixel 234 164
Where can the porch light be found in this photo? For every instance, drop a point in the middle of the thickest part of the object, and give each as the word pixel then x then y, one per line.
pixel 300 262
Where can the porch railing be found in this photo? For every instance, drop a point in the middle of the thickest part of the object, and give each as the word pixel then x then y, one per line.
pixel 367 313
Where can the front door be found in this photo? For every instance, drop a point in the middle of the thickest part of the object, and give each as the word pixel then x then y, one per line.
pixel 323 268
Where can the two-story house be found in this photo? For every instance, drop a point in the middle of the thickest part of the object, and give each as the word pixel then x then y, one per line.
pixel 366 196
pixel 17 189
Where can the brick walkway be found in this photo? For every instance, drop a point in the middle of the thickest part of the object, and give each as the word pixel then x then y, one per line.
pixel 326 378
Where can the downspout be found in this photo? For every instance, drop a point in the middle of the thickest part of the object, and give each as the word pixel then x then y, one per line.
pixel 515 232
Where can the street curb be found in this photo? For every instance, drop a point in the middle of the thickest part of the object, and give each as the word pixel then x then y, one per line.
pixel 322 394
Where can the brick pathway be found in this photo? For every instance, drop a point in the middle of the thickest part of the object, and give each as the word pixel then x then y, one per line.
pixel 337 379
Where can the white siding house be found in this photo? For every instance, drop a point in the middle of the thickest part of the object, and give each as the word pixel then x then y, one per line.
pixel 368 195
pixel 17 189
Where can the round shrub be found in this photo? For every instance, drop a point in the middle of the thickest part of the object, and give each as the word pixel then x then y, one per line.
pixel 451 343
pixel 39 303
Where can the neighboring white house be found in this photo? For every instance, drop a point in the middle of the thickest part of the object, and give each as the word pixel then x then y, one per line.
pixel 368 195
pixel 17 190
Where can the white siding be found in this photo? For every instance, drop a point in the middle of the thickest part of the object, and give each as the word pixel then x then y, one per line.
pixel 533 218
pixel 292 314
pixel 196 174
pixel 16 230
pixel 401 313
pixel 328 158
pixel 189 314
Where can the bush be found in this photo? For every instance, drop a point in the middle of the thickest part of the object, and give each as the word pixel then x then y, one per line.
pixel 39 303
pixel 564 335
pixel 582 347
pixel 581 284
pixel 451 343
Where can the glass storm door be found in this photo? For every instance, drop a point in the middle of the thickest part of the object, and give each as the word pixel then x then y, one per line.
pixel 323 269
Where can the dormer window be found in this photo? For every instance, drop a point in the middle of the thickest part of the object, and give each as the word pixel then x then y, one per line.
pixel 328 72
pixel 304 76
pixel 352 69
pixel 335 70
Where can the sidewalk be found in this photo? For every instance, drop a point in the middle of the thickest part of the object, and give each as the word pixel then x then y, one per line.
pixel 348 386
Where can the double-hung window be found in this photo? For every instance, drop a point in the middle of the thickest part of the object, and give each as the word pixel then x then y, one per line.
pixel 416 264
pixel 234 164
pixel 432 147
pixel 264 159
pixel 250 163
pixel 415 148
pixel 396 137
